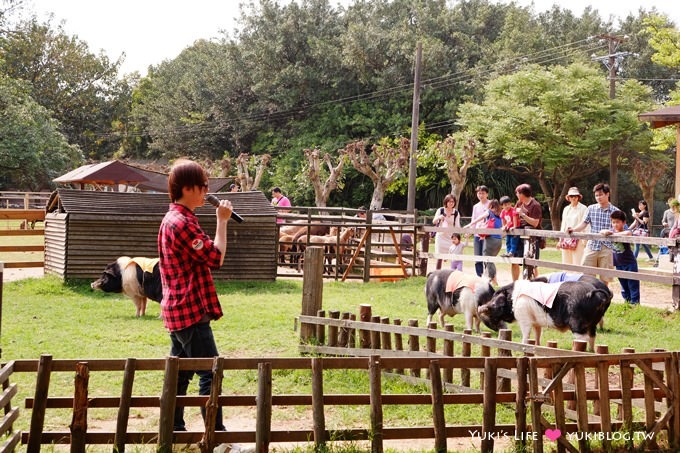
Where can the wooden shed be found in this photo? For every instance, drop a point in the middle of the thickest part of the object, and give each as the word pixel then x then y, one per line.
pixel 86 230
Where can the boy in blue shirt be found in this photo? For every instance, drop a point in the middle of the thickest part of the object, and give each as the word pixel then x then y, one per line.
pixel 624 258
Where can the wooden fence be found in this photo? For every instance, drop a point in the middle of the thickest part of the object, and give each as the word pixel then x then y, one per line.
pixel 375 251
pixel 13 240
pixel 627 399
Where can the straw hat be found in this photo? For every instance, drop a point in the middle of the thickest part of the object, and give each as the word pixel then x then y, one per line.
pixel 573 191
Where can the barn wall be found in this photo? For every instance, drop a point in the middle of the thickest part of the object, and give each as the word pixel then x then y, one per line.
pixel 55 244
pixel 81 244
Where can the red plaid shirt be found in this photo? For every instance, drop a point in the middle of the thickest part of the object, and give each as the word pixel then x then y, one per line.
pixel 186 256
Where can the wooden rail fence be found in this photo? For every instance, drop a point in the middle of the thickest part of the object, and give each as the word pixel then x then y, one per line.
pixel 606 398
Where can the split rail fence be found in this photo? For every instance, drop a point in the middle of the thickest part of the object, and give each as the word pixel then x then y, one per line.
pixel 627 399
pixel 28 208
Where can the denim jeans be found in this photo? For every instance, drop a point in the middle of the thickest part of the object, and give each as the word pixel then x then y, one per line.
pixel 478 247
pixel 630 289
pixel 196 341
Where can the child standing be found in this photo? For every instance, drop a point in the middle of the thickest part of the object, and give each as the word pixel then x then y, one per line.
pixel 457 248
pixel 624 259
pixel 510 218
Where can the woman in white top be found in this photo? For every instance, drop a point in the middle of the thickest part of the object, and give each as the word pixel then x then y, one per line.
pixel 572 215
pixel 446 216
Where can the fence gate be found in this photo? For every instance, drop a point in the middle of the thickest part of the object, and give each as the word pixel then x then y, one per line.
pixel 620 399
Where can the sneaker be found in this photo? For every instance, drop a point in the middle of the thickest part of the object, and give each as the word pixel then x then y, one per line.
pixel 507 255
pixel 222 448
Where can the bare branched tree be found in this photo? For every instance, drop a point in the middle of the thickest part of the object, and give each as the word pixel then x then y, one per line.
pixel 383 165
pixel 322 191
pixel 458 161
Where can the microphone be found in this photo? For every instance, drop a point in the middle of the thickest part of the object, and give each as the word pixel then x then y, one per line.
pixel 213 200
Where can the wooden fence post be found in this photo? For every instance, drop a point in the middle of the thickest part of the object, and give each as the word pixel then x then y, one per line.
pixel 168 403
pixel 448 351
pixel 333 330
pixel 352 340
pixel 579 346
pixel 414 345
pixel 430 345
pixel 386 339
pixel 504 384
pixel 376 412
pixel 319 419
pixel 521 403
pixel 364 335
pixel 320 328
pixel 207 444
pixel 466 351
pixel 375 335
pixel 79 419
pixel 263 424
pixel 42 387
pixel 485 352
pixel 124 407
pixel 489 417
pixel 344 331
pixel 312 289
pixel 398 343
pixel 424 249
pixel 674 381
pixel 438 420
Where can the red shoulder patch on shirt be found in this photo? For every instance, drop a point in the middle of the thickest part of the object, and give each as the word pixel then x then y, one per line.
pixel 197 244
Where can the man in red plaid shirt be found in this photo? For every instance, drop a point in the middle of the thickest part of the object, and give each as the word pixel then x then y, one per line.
pixel 187 255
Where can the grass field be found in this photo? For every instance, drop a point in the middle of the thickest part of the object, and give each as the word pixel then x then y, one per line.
pixel 68 320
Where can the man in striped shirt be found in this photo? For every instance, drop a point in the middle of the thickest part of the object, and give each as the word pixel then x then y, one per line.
pixel 187 256
pixel 598 253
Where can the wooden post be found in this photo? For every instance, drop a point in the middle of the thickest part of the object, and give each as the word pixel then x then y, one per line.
pixel 558 403
pixel 603 406
pixel 580 346
pixel 466 351
pixel 386 339
pixel 124 407
pixel 521 403
pixel 376 413
pixel 344 331
pixel 207 444
pixel 425 249
pixel 438 420
pixel 448 351
pixel 312 289
pixel 167 403
pixel 79 419
pixel 398 343
pixel 536 403
pixel 504 384
pixel 600 349
pixel 352 340
pixel 320 329
pixel 42 386
pixel 375 335
pixel 489 417
pixel 319 419
pixel 675 291
pixel 485 352
pixel 430 345
pixel 263 424
pixel 674 404
pixel 581 405
pixel 548 372
pixel 333 330
pixel 364 335
pixel 414 345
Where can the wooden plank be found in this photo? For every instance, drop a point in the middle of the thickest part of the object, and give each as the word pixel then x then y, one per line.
pixel 22 214
pixel 38 232
pixel 22 248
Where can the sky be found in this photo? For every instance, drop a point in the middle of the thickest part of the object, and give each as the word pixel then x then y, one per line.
pixel 151 31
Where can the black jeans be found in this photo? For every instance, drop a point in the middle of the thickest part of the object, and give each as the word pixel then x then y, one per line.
pixel 196 341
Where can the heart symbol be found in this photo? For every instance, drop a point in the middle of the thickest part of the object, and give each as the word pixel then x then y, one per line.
pixel 553 434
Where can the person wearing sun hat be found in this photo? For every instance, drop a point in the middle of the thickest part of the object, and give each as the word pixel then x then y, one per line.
pixel 572 215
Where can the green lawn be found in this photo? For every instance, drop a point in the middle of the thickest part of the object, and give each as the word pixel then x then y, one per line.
pixel 68 320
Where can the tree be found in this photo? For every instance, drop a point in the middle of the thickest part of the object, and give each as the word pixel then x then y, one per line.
pixel 665 40
pixel 315 173
pixel 383 165
pixel 32 150
pixel 555 125
pixel 243 168
pixel 458 161
pixel 80 89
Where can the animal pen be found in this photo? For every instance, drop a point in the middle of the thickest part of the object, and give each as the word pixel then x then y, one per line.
pixel 354 247
pixel 568 400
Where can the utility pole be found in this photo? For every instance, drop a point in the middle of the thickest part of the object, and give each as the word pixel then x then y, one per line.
pixel 415 115
pixel 613 62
